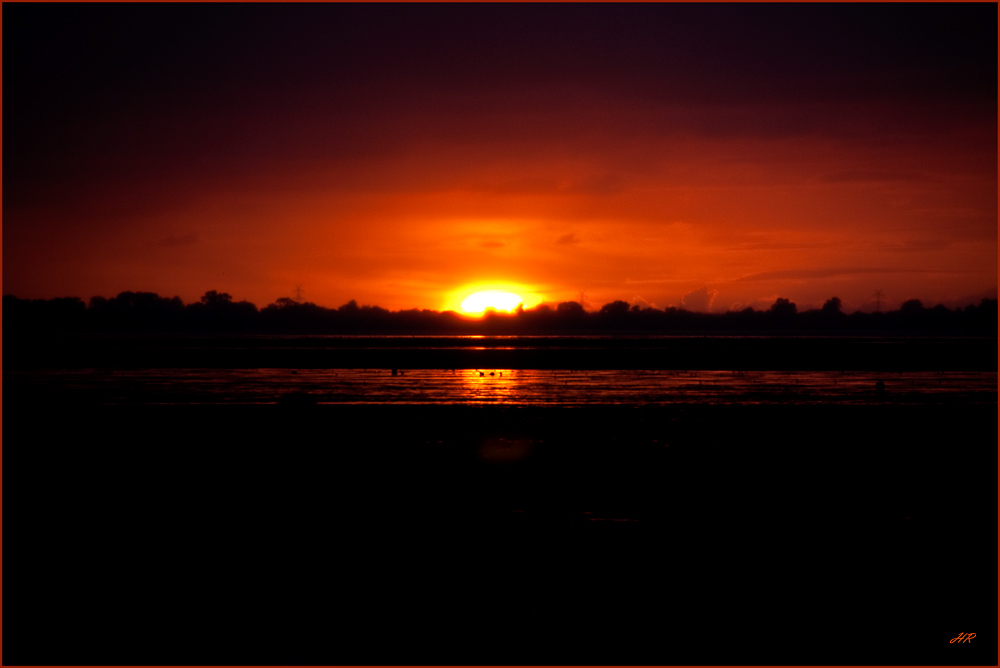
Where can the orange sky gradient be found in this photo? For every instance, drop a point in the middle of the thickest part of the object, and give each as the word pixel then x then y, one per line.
pixel 584 157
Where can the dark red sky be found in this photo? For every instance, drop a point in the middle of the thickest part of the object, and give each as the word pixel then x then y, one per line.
pixel 711 156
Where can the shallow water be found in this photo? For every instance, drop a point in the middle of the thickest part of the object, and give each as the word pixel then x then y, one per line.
pixel 500 386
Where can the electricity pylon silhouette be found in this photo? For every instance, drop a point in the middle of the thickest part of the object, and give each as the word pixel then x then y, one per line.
pixel 878 301
pixel 298 293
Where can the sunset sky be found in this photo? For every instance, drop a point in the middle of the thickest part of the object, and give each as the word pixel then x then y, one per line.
pixel 706 156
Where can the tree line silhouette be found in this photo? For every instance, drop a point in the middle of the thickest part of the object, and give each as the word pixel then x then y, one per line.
pixel 217 312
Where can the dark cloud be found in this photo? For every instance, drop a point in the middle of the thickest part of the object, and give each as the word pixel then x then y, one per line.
pixel 795 274
pixel 837 272
pixel 568 239
pixel 915 245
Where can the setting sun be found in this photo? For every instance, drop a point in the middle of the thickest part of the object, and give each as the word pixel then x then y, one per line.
pixel 475 298
pixel 498 300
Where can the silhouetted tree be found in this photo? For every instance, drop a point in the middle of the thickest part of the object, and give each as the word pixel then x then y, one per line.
pixel 59 314
pixel 781 313
pixel 138 311
pixel 782 307
pixel 147 311
pixel 981 317
pixel 911 315
pixel 218 311
pixel 570 309
pixel 213 299
pixel 284 302
pixel 615 308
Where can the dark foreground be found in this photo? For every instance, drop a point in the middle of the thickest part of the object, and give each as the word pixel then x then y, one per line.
pixel 500 535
